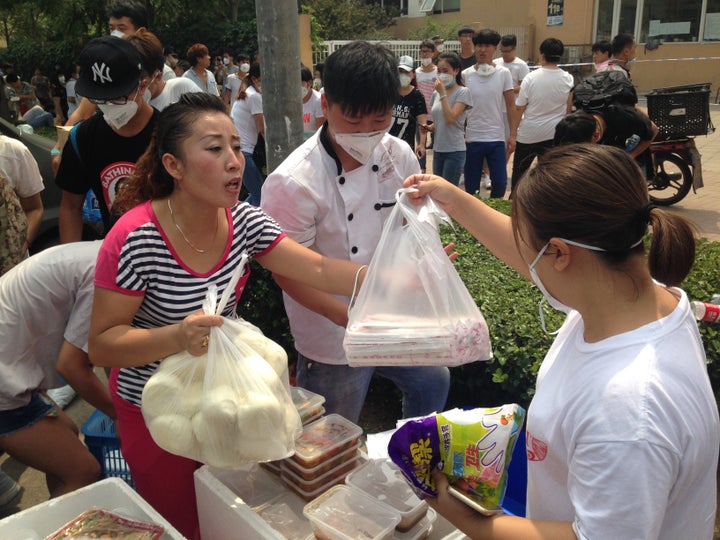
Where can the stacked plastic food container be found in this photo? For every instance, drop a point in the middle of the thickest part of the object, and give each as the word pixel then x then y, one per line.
pixel 375 502
pixel 325 453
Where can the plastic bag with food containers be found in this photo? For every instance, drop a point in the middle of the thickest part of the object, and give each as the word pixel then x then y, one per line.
pixel 413 308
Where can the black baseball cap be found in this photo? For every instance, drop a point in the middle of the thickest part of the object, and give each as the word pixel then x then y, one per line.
pixel 110 67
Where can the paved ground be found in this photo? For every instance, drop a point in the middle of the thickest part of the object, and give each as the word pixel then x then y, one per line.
pixel 703 208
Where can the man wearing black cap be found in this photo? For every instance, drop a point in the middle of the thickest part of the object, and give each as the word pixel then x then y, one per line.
pixel 102 150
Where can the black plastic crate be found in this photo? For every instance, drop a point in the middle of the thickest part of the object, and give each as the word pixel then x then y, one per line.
pixel 681 110
pixel 100 438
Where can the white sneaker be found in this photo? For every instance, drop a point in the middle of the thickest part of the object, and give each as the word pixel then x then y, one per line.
pixel 9 489
pixel 62 396
pixel 487 182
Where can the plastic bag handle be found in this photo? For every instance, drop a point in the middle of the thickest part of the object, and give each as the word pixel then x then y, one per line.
pixel 211 304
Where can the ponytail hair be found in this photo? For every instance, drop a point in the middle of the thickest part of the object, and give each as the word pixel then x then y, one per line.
pixel 597 195
pixel 150 180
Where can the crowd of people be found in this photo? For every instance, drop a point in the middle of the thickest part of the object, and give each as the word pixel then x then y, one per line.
pixel 623 429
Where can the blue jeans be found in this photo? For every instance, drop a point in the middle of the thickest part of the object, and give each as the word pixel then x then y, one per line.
pixel 449 165
pixel 424 388
pixel 252 180
pixel 494 153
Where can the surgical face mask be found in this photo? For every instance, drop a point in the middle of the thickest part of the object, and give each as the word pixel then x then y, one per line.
pixel 245 67
pixel 426 61
pixel 226 61
pixel 360 145
pixel 61 78
pixel 447 79
pixel 116 115
pixel 118 34
pixel 304 91
pixel 547 297
pixel 486 70
pixel 405 80
pixel 440 48
pixel 317 83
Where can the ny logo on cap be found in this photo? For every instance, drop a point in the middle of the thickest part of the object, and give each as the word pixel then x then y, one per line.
pixel 101 73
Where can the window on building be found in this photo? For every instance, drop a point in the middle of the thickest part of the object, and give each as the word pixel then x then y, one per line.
pixel 712 21
pixel 446 6
pixel 671 20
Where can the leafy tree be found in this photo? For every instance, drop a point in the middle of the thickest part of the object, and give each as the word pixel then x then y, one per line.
pixel 349 19
pixel 432 28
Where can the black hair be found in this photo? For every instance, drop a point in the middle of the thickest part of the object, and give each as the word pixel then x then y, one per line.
pixel 577 127
pixel 465 30
pixel 320 66
pixel 253 73
pixel 552 49
pixel 362 78
pixel 135 11
pixel 486 36
pixel 620 43
pixel 150 180
pixel 428 44
pixel 242 56
pixel 11 78
pixel 597 195
pixel 603 46
pixel 453 58
pixel 305 74
pixel 509 40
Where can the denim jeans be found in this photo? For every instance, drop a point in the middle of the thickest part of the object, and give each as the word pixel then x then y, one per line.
pixel 494 153
pixel 38 117
pixel 424 388
pixel 449 165
pixel 252 180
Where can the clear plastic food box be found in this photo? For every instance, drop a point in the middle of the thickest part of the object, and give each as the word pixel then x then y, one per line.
pixel 383 481
pixel 420 530
pixel 308 486
pixel 343 513
pixel 319 470
pixel 324 439
pixel 308 404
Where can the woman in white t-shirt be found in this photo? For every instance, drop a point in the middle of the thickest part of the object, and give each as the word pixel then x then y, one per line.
pixel 247 115
pixel 623 430
pixel 545 98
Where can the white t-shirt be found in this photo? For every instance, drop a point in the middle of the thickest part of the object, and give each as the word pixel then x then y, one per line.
pixel 174 88
pixel 18 165
pixel 233 84
pixel 312 110
pixel 425 81
pixel 168 73
pixel 485 119
pixel 545 93
pixel 623 434
pixel 242 115
pixel 70 93
pixel 518 69
pixel 336 213
pixel 46 299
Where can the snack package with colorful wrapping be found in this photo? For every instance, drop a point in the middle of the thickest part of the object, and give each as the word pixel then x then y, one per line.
pixel 473 448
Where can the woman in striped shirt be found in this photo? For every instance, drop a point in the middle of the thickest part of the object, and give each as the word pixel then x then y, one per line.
pixel 183 229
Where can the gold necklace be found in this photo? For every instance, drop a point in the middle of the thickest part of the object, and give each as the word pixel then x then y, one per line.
pixel 188 242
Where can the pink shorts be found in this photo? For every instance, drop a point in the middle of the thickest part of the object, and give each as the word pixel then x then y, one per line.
pixel 163 479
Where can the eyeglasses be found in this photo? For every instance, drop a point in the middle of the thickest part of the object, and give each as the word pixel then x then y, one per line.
pixel 113 101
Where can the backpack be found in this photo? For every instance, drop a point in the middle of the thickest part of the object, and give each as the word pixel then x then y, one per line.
pixel 599 90
pixel 13 227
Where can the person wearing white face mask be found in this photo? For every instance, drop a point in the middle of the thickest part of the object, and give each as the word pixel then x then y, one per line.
pixel 102 150
pixel 410 110
pixel 425 76
pixel 623 430
pixel 623 49
pixel 159 93
pixel 450 103
pixel 313 115
pixel 235 80
pixel 333 194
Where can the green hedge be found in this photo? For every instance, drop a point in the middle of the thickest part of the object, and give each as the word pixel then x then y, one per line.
pixel 509 303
